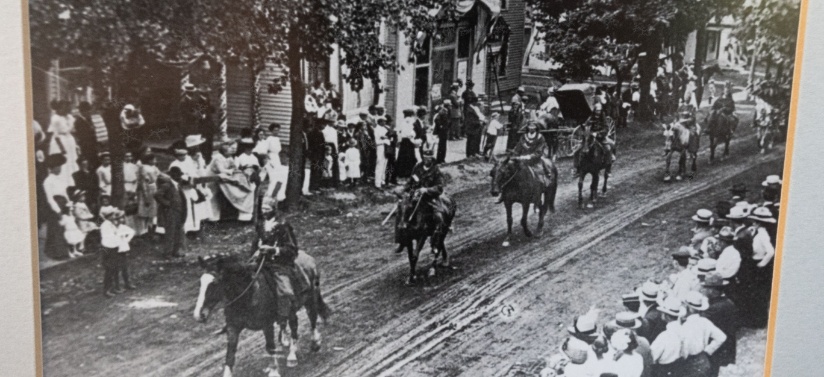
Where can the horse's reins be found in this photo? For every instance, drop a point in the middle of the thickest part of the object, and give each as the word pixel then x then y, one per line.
pixel 251 283
pixel 511 178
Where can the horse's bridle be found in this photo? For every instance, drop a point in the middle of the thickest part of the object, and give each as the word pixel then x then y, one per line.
pixel 512 177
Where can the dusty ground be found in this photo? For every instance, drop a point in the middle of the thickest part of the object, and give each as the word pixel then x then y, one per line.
pixel 449 326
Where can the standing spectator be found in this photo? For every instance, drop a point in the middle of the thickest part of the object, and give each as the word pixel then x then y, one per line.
pixel 124 235
pixel 516 118
pixel 352 159
pixel 85 133
pixel 310 105
pixel 85 179
pixel 667 348
pixel 381 141
pixel 72 234
pixel 171 210
pixel 206 125
pixel 104 174
pixel 190 110
pixel 333 95
pixel 629 323
pixel 492 130
pixel 473 119
pixel 61 140
pixel 455 113
pixel 763 253
pixel 110 244
pixel 469 97
pixel 407 145
pixel 701 338
pixel 328 176
pixel 130 189
pixel 54 187
pixel 365 134
pixel 146 189
pixel 442 123
pixel 624 360
pixel 723 314
pixel 391 152
pixel 331 139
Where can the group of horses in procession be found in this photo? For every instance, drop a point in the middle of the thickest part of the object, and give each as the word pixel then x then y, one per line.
pixel 249 297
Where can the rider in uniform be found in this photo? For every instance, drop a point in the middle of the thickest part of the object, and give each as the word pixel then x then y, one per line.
pixel 280 261
pixel 596 124
pixel 533 147
pixel 426 185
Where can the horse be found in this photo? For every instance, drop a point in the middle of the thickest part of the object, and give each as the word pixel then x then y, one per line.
pixel 517 182
pixel 415 222
pixel 678 138
pixel 251 302
pixel 720 128
pixel 593 158
pixel 767 131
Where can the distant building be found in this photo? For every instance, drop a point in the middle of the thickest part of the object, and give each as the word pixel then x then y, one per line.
pixel 722 46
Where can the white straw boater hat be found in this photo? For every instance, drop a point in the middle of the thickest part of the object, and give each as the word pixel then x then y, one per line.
pixel 739 212
pixel 627 320
pixel 671 305
pixel 697 301
pixel 763 215
pixel 771 180
pixel 702 216
pixel 194 140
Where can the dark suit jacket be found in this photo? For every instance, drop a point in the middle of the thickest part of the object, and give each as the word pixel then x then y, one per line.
pixel 171 203
pixel 724 315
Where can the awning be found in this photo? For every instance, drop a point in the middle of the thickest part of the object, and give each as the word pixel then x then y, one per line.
pixel 464 6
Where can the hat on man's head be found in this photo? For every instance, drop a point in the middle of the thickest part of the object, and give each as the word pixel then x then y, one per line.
pixel 671 305
pixel 194 140
pixel 55 160
pixel 772 180
pixel 107 212
pixel 762 214
pixel 421 110
pixel 705 266
pixel 627 320
pixel 189 88
pixel 584 325
pixel 408 112
pixel 521 89
pixel 697 301
pixel 469 82
pixel 683 253
pixel 702 216
pixel 175 172
pixel 726 234
pixel 447 102
pixel 738 212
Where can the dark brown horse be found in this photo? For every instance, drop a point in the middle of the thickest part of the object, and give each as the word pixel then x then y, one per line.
pixel 720 128
pixel 415 223
pixel 593 157
pixel 518 182
pixel 251 304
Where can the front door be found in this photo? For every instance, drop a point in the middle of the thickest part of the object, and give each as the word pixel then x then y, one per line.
pixel 443 71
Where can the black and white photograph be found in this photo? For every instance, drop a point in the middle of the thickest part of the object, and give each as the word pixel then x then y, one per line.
pixel 423 188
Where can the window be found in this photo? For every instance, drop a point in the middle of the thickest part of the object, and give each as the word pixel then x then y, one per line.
pixel 713 42
pixel 421 86
pixel 464 43
pixel 503 4
pixel 423 56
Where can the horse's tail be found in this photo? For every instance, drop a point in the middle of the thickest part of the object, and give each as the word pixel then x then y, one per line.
pixel 553 190
pixel 320 305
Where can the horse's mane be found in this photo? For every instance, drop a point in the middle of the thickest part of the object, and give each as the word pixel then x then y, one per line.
pixel 236 277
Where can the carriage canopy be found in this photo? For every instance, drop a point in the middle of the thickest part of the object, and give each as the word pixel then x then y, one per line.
pixel 576 101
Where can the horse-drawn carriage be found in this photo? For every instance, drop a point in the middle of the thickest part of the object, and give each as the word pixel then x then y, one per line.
pixel 576 103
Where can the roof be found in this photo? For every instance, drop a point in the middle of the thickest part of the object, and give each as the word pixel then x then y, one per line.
pixel 576 101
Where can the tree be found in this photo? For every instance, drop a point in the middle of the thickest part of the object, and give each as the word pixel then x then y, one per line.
pixel 252 33
pixel 619 33
pixel 770 30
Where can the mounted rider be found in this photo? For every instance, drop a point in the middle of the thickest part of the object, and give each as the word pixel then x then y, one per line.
pixel 423 191
pixel 278 251
pixel 596 126
pixel 532 147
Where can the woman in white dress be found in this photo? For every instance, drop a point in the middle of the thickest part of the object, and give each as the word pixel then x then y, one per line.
pixel 62 141
pixel 233 184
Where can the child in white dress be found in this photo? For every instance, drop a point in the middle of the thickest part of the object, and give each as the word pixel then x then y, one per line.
pixel 353 162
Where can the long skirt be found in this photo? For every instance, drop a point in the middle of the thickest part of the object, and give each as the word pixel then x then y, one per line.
pixel 406 159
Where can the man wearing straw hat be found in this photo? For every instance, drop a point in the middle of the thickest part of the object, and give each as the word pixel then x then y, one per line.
pixel 723 313
pixel 772 194
pixel 667 348
pixel 630 321
pixel 729 260
pixel 762 256
pixel 701 338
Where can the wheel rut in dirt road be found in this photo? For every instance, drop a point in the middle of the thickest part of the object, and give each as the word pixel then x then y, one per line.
pixel 483 293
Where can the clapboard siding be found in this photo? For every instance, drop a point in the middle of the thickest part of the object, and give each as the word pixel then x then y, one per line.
pixel 239 97
pixel 515 17
pixel 275 107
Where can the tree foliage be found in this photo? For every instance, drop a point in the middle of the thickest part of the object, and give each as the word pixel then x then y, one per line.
pixel 105 33
pixel 771 30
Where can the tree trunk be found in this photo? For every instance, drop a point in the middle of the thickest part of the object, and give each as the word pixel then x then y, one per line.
pixel 294 184
pixel 647 68
pixel 700 60
pixel 111 118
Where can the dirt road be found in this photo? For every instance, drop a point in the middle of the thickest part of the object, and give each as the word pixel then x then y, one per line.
pixel 452 325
